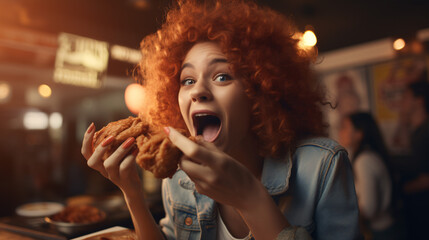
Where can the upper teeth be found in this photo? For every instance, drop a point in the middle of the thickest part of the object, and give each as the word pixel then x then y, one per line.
pixel 201 114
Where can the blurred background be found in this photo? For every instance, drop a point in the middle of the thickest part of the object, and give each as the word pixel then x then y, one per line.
pixel 67 63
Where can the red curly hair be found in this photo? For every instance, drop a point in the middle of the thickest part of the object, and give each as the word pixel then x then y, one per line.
pixel 259 46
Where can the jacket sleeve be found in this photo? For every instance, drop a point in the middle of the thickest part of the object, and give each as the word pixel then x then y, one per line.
pixel 337 213
pixel 166 223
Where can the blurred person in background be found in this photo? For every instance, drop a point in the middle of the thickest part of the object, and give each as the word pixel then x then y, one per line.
pixel 415 103
pixel 360 135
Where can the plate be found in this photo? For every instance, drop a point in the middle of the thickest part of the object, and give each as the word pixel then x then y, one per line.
pixel 125 232
pixel 39 209
pixel 73 220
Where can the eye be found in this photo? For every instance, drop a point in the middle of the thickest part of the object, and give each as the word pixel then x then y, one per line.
pixel 187 82
pixel 222 77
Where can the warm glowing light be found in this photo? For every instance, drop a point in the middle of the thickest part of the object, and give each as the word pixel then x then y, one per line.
pixel 35 120
pixel 398 44
pixel 4 91
pixel 309 38
pixel 55 120
pixel 134 98
pixel 141 4
pixel 45 91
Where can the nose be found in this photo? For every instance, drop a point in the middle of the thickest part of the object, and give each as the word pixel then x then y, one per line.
pixel 200 92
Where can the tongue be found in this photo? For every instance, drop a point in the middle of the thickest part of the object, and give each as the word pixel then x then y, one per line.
pixel 210 132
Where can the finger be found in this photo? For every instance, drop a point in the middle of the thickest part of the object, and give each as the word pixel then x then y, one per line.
pixel 129 164
pixel 96 159
pixel 188 147
pixel 86 149
pixel 200 140
pixel 96 163
pixel 190 159
pixel 111 164
pixel 194 170
pixel 201 187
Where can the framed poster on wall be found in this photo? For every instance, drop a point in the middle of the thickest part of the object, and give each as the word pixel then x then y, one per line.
pixel 347 91
pixel 389 81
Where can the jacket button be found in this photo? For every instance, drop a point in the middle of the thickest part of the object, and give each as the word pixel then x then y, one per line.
pixel 188 221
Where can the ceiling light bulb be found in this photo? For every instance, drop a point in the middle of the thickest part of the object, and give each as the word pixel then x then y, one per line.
pixel 309 38
pixel 398 44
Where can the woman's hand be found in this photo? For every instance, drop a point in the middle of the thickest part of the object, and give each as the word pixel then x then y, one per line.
pixel 215 174
pixel 120 167
pixel 225 180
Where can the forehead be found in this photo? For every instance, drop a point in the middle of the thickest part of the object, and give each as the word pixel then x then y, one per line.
pixel 204 50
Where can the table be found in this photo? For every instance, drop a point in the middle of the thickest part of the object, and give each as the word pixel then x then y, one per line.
pixel 36 228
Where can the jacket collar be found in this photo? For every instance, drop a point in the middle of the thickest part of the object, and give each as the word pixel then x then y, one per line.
pixel 275 176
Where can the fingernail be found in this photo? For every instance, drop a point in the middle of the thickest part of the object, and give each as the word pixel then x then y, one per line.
pixel 107 141
pixel 128 143
pixel 135 152
pixel 90 128
pixel 167 130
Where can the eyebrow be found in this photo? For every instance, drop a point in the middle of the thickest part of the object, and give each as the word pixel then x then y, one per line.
pixel 213 61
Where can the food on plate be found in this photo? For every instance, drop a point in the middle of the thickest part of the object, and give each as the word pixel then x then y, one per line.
pixel 79 214
pixel 156 153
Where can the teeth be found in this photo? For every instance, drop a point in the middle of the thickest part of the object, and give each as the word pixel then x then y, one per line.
pixel 201 114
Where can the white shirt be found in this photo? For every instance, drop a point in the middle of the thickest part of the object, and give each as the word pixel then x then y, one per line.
pixel 223 233
pixel 373 189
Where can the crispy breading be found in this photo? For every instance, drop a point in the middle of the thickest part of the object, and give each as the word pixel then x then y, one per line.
pixel 121 130
pixel 156 153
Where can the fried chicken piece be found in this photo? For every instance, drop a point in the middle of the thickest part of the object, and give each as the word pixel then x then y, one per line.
pixel 156 154
pixel 121 130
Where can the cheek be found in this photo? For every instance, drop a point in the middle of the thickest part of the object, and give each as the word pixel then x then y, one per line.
pixel 183 106
pixel 181 102
pixel 240 112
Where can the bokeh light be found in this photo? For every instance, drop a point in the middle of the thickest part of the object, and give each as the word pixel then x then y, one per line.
pixel 309 39
pixel 398 44
pixel 4 91
pixel 55 120
pixel 35 120
pixel 45 91
pixel 134 98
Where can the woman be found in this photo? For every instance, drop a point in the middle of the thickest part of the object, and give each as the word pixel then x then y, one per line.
pixel 360 135
pixel 231 73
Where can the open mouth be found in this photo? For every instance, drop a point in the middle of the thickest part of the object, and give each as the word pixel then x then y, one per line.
pixel 207 125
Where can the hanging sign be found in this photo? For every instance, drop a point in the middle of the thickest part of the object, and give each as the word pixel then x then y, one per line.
pixel 81 61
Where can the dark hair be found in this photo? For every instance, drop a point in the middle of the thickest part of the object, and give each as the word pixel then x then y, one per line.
pixel 420 89
pixel 371 136
pixel 373 140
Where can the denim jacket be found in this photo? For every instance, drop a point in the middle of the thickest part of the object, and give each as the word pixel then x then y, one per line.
pixel 314 190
